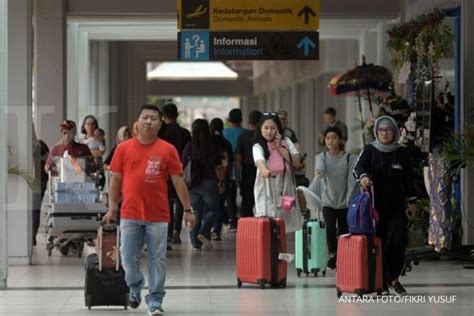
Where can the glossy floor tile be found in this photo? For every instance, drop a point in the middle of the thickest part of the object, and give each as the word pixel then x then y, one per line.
pixel 204 283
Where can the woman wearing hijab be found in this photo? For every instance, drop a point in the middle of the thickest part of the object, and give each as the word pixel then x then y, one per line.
pixel 386 164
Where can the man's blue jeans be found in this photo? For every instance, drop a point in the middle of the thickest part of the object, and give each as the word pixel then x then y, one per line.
pixel 134 234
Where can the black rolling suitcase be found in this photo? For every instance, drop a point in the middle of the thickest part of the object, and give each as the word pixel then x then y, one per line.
pixel 105 286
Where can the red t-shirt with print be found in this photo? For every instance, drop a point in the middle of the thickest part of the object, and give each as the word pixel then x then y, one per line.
pixel 144 170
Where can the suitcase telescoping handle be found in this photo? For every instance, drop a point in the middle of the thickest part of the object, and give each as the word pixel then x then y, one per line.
pixel 267 187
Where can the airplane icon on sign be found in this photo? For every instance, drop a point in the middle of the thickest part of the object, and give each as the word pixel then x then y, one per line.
pixel 198 12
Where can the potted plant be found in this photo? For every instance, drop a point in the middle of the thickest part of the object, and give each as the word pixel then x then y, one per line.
pixel 458 149
pixel 16 170
pixel 418 226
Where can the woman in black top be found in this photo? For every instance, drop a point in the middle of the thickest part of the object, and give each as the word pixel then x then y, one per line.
pixel 387 165
pixel 40 154
pixel 206 172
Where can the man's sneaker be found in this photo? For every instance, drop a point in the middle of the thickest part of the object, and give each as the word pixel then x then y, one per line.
pixel 206 244
pixel 332 262
pixel 134 300
pixel 176 238
pixel 154 308
pixel 398 288
pixel 385 290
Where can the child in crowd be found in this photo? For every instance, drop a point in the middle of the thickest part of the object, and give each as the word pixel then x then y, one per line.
pixel 335 168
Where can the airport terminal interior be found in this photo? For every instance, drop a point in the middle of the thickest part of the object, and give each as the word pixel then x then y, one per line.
pixel 67 59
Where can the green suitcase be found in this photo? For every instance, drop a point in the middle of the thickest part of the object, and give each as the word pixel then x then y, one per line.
pixel 311 250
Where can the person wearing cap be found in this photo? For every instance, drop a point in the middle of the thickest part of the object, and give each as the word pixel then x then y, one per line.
pixel 386 165
pixel 76 150
pixel 232 134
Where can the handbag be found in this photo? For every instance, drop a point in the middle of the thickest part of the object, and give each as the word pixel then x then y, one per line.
pixel 288 202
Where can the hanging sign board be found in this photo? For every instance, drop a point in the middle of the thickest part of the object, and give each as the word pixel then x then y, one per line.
pixel 255 15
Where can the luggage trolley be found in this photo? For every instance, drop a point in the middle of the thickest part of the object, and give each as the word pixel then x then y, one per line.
pixel 75 210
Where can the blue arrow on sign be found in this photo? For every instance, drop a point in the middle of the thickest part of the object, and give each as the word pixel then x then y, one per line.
pixel 306 43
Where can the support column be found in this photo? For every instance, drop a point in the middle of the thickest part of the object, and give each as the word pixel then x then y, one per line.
pixel 467 116
pixel 50 68
pixel 20 123
pixel 3 141
pixel 383 54
pixel 100 89
pixel 368 46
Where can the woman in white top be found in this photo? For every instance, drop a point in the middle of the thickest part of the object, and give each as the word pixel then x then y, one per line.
pixel 271 154
pixel 89 126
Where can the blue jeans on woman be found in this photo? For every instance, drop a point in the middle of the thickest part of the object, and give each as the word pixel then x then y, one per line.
pixel 205 202
pixel 134 234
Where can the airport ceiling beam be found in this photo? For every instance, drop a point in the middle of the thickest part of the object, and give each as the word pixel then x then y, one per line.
pixel 239 87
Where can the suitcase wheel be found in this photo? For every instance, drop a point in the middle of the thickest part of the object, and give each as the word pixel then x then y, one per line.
pixel 307 274
pixel 324 273
pixel 298 272
pixel 262 285
pixel 339 293
pixel 239 283
pixel 283 283
pixel 316 274
pixel 64 250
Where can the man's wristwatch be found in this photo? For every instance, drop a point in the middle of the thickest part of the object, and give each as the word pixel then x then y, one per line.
pixel 190 210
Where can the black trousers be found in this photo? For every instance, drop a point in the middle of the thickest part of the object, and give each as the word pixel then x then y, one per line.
pixel 249 173
pixel 336 225
pixel 392 231
pixel 37 200
pixel 232 204
pixel 176 213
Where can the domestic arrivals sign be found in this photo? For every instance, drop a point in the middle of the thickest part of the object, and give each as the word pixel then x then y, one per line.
pixel 255 15
pixel 204 46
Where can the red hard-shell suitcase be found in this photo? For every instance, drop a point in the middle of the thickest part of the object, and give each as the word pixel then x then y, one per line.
pixel 359 265
pixel 260 240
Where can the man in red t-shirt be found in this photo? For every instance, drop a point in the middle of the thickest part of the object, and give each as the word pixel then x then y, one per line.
pixel 139 170
pixel 75 150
